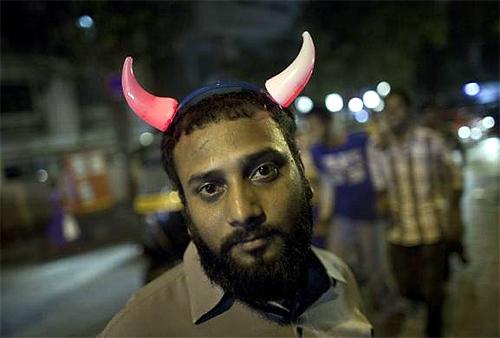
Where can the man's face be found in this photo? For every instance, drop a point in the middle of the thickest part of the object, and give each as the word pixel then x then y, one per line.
pixel 395 112
pixel 245 197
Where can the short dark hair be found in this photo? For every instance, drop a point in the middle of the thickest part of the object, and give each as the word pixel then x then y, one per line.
pixel 221 107
pixel 402 94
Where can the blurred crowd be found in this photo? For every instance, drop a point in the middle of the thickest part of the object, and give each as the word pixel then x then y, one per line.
pixel 387 202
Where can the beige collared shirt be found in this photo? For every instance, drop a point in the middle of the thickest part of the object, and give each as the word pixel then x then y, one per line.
pixel 419 175
pixel 171 305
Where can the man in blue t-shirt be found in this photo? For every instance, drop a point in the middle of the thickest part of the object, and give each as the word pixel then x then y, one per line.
pixel 349 206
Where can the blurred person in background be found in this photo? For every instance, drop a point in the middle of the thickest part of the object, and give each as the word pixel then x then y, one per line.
pixel 431 119
pixel 63 227
pixel 55 230
pixel 165 236
pixel 164 241
pixel 230 151
pixel 415 169
pixel 349 206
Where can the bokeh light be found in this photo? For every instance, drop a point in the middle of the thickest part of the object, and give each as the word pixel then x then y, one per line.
pixel 304 104
pixel 42 175
pixel 146 139
pixel 355 104
pixel 361 116
pixel 85 22
pixel 472 88
pixel 380 107
pixel 464 132
pixel 371 99
pixel 334 102
pixel 383 88
pixel 488 122
pixel 476 133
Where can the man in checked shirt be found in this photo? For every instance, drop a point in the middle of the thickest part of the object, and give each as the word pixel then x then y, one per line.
pixel 415 172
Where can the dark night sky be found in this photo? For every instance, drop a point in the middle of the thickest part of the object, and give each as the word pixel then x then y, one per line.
pixel 441 44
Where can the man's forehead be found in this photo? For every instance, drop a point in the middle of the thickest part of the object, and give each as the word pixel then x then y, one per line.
pixel 241 130
pixel 228 139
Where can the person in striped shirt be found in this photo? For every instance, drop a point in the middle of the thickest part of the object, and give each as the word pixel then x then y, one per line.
pixel 413 169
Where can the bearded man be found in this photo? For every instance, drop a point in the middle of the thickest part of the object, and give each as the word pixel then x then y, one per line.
pixel 230 151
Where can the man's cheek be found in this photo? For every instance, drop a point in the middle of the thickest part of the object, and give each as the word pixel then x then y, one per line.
pixel 211 235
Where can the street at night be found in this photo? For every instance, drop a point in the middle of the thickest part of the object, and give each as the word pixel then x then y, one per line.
pixel 76 296
pixel 249 168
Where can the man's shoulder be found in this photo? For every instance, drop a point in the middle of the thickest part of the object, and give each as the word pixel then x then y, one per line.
pixel 152 305
pixel 169 279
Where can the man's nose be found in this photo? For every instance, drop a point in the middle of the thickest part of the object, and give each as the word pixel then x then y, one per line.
pixel 244 208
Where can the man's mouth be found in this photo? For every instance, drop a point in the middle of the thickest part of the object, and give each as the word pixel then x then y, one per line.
pixel 254 243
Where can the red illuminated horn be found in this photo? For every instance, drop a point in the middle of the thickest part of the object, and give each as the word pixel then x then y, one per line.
pixel 288 84
pixel 155 111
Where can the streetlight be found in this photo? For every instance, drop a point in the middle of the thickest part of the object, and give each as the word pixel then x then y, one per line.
pixel 355 104
pixel 334 102
pixel 464 132
pixel 85 22
pixel 361 116
pixel 476 133
pixel 488 122
pixel 472 88
pixel 380 107
pixel 383 88
pixel 42 175
pixel 371 99
pixel 146 139
pixel 304 104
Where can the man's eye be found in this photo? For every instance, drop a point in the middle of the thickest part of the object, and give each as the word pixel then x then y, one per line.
pixel 265 173
pixel 209 190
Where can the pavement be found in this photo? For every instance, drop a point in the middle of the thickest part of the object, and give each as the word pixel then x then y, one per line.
pixel 76 292
pixel 70 297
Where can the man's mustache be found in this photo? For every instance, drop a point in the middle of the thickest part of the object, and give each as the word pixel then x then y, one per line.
pixel 242 235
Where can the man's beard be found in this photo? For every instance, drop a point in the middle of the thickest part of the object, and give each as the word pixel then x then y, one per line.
pixel 263 281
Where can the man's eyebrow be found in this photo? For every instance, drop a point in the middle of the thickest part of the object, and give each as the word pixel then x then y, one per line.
pixel 266 154
pixel 247 163
pixel 212 175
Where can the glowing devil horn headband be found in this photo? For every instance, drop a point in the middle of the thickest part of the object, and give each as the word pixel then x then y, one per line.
pixel 288 84
pixel 159 112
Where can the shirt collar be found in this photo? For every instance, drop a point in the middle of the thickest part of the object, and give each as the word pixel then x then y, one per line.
pixel 331 266
pixel 205 296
